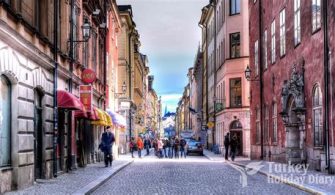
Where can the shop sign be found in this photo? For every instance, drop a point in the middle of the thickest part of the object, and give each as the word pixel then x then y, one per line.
pixel 86 96
pixel 88 76
pixel 124 105
pixel 210 125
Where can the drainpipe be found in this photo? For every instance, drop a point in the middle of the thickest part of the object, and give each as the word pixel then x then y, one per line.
pixel 55 117
pixel 326 81
pixel 69 143
pixel 261 77
pixel 129 77
pixel 105 55
pixel 215 64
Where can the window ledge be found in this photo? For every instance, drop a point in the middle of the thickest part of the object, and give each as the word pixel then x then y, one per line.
pixel 4 169
pixel 297 45
pixel 318 147
pixel 316 30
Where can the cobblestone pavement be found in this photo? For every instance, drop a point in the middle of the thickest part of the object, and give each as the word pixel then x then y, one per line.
pixel 194 175
pixel 69 183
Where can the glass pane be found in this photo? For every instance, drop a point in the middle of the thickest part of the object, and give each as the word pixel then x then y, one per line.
pixel 4 122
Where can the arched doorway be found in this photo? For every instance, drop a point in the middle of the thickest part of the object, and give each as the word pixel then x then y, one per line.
pixel 293 134
pixel 38 135
pixel 236 130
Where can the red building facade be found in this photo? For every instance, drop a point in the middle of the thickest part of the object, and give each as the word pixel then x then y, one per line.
pixel 288 91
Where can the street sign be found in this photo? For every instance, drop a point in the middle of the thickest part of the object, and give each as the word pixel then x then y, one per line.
pixel 124 105
pixel 86 96
pixel 88 76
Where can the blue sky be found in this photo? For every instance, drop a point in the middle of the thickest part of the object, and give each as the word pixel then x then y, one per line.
pixel 169 35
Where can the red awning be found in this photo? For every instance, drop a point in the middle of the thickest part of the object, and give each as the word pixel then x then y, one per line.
pixel 68 101
pixel 89 115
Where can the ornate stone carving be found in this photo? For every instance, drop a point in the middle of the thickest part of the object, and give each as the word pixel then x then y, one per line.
pixel 293 87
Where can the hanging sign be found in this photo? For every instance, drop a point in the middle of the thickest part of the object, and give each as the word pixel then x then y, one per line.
pixel 88 76
pixel 86 96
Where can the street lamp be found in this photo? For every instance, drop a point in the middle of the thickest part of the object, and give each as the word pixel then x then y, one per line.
pixel 247 73
pixel 86 28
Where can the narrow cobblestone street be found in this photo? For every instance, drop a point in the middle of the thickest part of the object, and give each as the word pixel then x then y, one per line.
pixel 194 175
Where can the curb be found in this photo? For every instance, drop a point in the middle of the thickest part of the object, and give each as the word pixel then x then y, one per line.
pixel 91 187
pixel 300 187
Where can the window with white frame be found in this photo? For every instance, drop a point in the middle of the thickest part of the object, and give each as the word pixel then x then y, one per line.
pixel 274 123
pixel 5 123
pixel 282 33
pixel 258 126
pixel 265 48
pixel 256 58
pixel 317 116
pixel 273 42
pixel 316 15
pixel 297 19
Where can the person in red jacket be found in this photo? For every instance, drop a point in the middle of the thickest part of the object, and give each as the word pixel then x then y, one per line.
pixel 140 146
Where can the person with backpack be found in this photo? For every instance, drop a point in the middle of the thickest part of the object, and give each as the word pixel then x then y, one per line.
pixel 182 148
pixel 132 146
pixel 107 141
pixel 226 145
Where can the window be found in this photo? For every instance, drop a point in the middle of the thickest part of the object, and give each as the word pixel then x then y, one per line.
pixel 265 43
pixel 282 33
pixel 297 27
pixel 5 122
pixel 317 116
pixel 235 45
pixel 273 42
pixel 256 58
pixel 274 123
pixel 258 126
pixel 235 93
pixel 235 7
pixel 266 125
pixel 316 14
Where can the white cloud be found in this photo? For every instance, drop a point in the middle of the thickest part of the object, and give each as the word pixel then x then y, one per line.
pixel 171 97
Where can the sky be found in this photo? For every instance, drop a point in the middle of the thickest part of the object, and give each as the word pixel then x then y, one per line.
pixel 170 36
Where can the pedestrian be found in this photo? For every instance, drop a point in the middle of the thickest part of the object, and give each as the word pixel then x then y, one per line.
pixel 182 148
pixel 140 146
pixel 160 148
pixel 154 144
pixel 107 141
pixel 165 147
pixel 172 147
pixel 168 147
pixel 132 146
pixel 176 147
pixel 226 145
pixel 233 147
pixel 147 144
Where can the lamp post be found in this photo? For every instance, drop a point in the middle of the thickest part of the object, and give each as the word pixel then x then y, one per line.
pixel 86 28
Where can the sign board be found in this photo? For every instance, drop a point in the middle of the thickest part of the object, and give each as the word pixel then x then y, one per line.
pixel 86 96
pixel 210 125
pixel 88 76
pixel 124 105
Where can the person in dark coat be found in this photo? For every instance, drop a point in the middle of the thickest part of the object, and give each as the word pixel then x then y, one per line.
pixel 226 145
pixel 176 148
pixel 233 147
pixel 182 148
pixel 107 141
pixel 147 145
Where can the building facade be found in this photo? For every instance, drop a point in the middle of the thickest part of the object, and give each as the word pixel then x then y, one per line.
pixel 232 89
pixel 292 49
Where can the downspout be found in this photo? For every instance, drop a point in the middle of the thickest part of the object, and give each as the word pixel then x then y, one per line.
pixel 105 56
pixel 215 64
pixel 261 77
pixel 69 123
pixel 326 81
pixel 129 77
pixel 55 117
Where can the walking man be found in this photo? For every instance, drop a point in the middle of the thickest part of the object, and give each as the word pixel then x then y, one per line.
pixel 107 141
pixel 132 146
pixel 233 147
pixel 182 148
pixel 147 145
pixel 176 147
pixel 226 145
pixel 140 146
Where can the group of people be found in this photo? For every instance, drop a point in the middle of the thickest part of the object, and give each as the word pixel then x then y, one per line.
pixel 167 148
pixel 230 142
